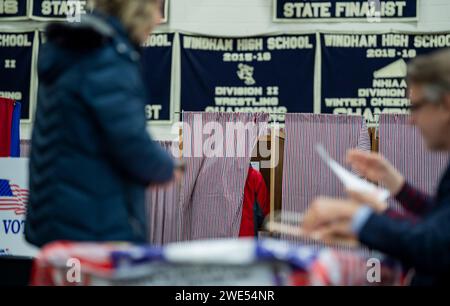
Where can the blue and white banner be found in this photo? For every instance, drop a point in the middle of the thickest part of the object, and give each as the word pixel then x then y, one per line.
pixel 13 203
pixel 345 10
pixel 69 10
pixel 272 74
pixel 59 9
pixel 157 68
pixel 16 62
pixel 157 73
pixel 364 74
pixel 13 9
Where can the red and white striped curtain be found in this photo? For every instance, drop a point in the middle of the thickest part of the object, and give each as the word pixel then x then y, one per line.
pixel 402 144
pixel 163 209
pixel 213 187
pixel 305 175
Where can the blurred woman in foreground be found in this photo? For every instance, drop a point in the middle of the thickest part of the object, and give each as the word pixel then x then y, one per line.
pixel 91 156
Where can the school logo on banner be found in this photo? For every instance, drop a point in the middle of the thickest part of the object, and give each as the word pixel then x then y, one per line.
pixel 270 74
pixel 345 10
pixel 16 58
pixel 365 74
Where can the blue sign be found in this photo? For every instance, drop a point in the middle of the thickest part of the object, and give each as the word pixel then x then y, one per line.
pixel 364 74
pixel 345 10
pixel 13 9
pixel 157 68
pixel 16 57
pixel 272 74
pixel 69 10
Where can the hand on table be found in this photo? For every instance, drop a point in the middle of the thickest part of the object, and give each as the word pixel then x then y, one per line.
pixel 331 219
pixel 325 211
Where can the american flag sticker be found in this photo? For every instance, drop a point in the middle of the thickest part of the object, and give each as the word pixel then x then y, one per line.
pixel 13 197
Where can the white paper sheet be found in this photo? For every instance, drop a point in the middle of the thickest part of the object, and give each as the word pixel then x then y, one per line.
pixel 350 180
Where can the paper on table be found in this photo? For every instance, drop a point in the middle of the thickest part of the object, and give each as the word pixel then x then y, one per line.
pixel 351 181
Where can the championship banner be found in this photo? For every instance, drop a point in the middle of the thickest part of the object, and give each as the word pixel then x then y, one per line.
pixel 13 202
pixel 157 68
pixel 272 74
pixel 69 10
pixel 364 74
pixel 13 10
pixel 345 10
pixel 16 62
pixel 157 73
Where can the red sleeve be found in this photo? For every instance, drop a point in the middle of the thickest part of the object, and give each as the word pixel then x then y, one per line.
pixel 6 113
pixel 401 216
pixel 413 200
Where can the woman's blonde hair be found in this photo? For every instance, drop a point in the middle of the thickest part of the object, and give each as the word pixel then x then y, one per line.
pixel 130 12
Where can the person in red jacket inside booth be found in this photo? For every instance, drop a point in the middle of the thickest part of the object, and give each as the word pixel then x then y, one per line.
pixel 256 204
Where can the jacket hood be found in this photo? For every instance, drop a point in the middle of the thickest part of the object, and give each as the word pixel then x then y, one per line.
pixel 65 42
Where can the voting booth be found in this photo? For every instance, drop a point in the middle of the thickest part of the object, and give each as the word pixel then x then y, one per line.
pixel 286 86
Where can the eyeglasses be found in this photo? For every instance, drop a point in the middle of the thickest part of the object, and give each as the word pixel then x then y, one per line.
pixel 432 94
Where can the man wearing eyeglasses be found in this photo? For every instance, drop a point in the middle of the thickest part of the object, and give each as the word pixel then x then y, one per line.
pixel 422 242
